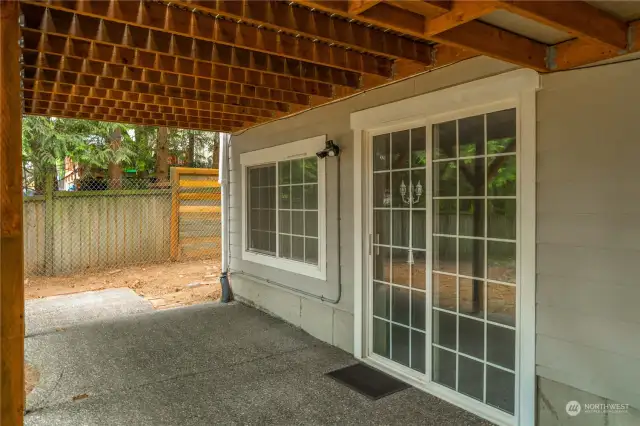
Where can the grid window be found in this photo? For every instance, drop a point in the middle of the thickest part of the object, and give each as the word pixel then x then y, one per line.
pixel 298 209
pixel 284 195
pixel 262 209
pixel 399 246
pixel 474 256
pixel 285 209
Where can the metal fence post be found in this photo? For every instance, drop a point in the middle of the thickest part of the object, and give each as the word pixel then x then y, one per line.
pixel 48 224
pixel 175 221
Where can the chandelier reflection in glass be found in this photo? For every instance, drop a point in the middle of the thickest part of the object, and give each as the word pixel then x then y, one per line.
pixel 410 198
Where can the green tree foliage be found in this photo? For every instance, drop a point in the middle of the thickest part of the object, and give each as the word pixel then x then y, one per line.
pixel 95 150
pixel 47 142
pixel 143 149
pixel 204 144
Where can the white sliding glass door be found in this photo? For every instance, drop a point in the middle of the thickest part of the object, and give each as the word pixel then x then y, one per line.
pixel 443 271
pixel 399 247
pixel 474 241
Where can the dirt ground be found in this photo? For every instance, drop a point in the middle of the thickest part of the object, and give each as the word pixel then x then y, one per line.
pixel 165 285
pixel 31 377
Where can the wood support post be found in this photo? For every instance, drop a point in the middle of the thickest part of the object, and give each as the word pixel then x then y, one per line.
pixel 11 243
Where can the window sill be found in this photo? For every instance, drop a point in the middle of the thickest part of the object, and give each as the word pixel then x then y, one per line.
pixel 312 271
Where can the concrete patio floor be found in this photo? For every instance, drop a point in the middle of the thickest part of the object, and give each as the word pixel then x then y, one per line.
pixel 200 365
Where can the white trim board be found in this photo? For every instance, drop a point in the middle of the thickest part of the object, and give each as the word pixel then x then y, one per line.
pixel 476 93
pixel 515 89
pixel 290 151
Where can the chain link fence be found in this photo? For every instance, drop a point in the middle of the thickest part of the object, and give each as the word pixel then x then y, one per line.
pixel 93 223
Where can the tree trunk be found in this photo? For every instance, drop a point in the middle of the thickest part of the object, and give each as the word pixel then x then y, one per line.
pixel 478 258
pixel 215 157
pixel 191 149
pixel 478 268
pixel 38 170
pixel 115 171
pixel 162 155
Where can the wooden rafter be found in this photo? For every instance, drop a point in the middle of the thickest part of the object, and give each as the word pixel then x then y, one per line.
pixel 497 43
pixel 93 105
pixel 428 8
pixel 577 18
pixel 249 60
pixel 357 7
pixel 171 51
pixel 77 84
pixel 294 20
pixel 474 35
pixel 120 119
pixel 45 90
pixel 186 23
pixel 68 69
pixel 221 111
pixel 575 53
pixel 35 105
pixel 460 12
pixel 35 40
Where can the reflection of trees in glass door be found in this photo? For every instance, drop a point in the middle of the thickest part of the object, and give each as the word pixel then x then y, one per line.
pixel 399 247
pixel 474 257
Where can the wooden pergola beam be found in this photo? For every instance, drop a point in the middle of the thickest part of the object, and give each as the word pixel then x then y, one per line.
pixel 497 43
pixel 170 51
pixel 429 8
pixel 579 52
pixel 188 23
pixel 123 89
pixel 294 20
pixel 357 7
pixel 460 12
pixel 472 35
pixel 130 120
pixel 577 18
pixel 12 395
pixel 70 68
pixel 64 45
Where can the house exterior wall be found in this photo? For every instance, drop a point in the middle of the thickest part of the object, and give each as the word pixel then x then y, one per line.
pixel 588 237
pixel 587 232
pixel 332 323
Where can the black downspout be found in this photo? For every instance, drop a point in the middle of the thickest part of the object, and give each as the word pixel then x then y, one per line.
pixel 227 295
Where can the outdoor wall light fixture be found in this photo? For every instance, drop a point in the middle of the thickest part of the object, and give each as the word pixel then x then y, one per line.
pixel 330 150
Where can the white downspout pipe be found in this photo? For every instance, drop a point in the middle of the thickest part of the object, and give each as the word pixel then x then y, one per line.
pixel 223 179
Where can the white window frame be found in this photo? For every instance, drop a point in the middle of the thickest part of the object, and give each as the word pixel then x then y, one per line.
pixel 516 89
pixel 290 151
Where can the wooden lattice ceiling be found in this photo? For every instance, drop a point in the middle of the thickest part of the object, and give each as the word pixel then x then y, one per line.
pixel 227 65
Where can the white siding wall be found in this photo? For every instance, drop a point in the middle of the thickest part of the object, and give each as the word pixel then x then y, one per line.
pixel 588 230
pixel 588 285
pixel 331 323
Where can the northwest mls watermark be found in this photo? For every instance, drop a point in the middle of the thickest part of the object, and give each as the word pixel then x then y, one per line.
pixel 574 408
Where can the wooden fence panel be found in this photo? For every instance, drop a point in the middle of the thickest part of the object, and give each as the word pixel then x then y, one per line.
pixel 196 213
